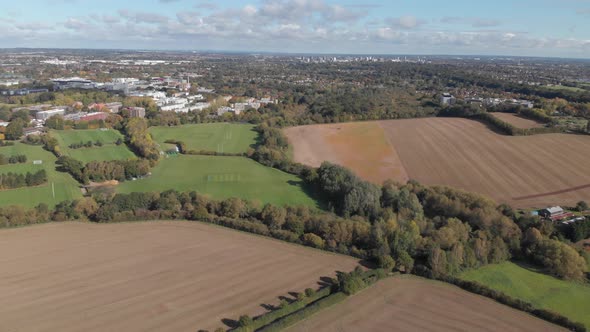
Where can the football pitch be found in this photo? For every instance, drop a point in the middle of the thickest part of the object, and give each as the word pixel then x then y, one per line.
pixel 214 137
pixel 223 177
pixel 108 137
pixel 59 187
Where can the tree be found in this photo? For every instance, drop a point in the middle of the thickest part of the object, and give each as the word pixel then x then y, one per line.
pixel 437 259
pixel 14 131
pixel 245 321
pixel 313 240
pixel 273 216
pixel 55 122
pixel 582 205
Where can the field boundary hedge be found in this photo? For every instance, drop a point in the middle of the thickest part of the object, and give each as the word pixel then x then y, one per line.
pixel 305 307
pixel 509 129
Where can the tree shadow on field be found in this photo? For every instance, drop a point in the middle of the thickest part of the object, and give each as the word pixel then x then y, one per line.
pixel 231 323
pixel 310 191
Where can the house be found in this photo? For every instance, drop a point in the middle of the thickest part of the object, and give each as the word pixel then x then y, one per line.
pixel 447 99
pixel 32 131
pixel 555 213
pixel 136 112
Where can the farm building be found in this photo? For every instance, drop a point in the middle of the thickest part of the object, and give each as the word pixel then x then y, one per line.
pixel 555 213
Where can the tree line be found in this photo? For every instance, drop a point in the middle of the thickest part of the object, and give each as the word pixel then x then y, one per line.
pixel 15 159
pixel 16 180
pixel 99 171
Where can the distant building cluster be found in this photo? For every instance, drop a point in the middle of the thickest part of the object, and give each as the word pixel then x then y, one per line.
pixel 238 108
pixel 449 99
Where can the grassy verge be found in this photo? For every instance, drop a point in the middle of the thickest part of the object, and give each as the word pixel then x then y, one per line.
pixel 567 298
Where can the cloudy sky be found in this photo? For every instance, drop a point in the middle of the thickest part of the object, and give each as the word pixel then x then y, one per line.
pixel 498 27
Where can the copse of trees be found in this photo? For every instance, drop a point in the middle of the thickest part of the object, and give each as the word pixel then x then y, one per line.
pixel 140 140
pixel 99 171
pixel 14 131
pixel 557 257
pixel 13 180
pixel 16 159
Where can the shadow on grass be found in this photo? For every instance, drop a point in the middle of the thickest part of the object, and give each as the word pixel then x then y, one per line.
pixel 310 190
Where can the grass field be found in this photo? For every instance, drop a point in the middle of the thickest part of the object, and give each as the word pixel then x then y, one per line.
pixel 218 137
pixel 148 276
pixel 567 298
pixel 109 151
pixel 409 303
pixel 524 171
pixel 60 186
pixel 223 177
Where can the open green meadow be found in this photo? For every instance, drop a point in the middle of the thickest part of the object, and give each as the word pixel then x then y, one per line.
pixel 567 298
pixel 223 177
pixel 217 137
pixel 60 186
pixel 109 151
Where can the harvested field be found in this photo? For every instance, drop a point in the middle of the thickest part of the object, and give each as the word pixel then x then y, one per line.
pixel 361 146
pixel 150 276
pixel 524 171
pixel 517 120
pixel 414 304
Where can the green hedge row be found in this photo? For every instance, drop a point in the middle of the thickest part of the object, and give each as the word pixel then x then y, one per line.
pixel 266 319
pixel 292 313
pixel 304 313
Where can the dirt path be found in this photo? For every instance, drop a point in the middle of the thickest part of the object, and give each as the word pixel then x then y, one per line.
pixel 153 276
pixel 414 304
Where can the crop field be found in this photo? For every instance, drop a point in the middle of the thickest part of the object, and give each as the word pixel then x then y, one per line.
pixel 517 121
pixel 217 137
pixel 148 276
pixel 524 171
pixel 567 298
pixel 414 304
pixel 60 186
pixel 223 177
pixel 109 151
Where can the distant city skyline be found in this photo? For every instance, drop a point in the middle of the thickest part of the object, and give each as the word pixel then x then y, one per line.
pixel 554 28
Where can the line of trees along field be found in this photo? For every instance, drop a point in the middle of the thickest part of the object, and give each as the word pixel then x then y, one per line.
pixel 15 180
pixel 439 229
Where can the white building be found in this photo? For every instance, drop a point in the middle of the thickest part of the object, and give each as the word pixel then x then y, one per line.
pixel 44 115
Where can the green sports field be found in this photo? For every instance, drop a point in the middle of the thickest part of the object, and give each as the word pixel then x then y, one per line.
pixel 217 137
pixel 60 186
pixel 567 298
pixel 109 151
pixel 223 177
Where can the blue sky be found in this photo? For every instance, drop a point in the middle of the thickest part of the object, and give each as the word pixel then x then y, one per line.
pixel 500 27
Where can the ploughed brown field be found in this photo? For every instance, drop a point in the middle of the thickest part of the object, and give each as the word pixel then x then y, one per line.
pixel 152 276
pixel 524 171
pixel 414 304
pixel 517 121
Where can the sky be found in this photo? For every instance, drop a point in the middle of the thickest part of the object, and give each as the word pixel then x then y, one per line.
pixel 556 28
